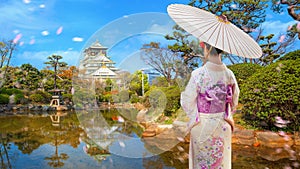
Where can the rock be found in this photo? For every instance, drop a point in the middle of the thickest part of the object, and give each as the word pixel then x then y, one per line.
pixel 141 115
pixel 244 137
pixel 15 108
pixel 149 133
pixel 273 140
pixel 272 154
pixel 45 108
pixel 12 99
pixel 297 139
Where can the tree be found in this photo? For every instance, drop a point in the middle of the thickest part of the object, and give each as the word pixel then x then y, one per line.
pixel 163 60
pixel 247 15
pixel 6 51
pixel 293 10
pixel 273 49
pixel 28 76
pixel 55 63
pixel 136 83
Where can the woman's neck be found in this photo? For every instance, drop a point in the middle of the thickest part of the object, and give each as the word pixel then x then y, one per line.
pixel 215 59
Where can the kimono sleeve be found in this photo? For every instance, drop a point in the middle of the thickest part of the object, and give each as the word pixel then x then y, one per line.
pixel 188 98
pixel 236 92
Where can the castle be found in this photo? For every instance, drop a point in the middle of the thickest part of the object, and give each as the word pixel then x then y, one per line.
pixel 96 63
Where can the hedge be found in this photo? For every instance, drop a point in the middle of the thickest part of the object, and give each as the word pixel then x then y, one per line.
pixel 4 99
pixel 243 71
pixel 271 93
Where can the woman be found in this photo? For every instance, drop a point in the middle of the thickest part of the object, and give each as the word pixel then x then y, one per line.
pixel 209 97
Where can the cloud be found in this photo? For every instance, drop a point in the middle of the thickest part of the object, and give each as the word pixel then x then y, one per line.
pixel 45 33
pixel 42 6
pixel 161 29
pixel 26 16
pixel 77 39
pixel 276 27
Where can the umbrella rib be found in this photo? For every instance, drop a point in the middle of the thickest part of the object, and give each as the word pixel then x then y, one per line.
pixel 230 50
pixel 216 26
pixel 243 44
pixel 198 28
pixel 236 39
pixel 205 30
pixel 218 33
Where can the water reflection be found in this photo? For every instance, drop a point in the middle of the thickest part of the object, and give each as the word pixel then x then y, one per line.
pixel 61 141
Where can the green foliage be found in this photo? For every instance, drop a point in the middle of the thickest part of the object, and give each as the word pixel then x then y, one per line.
pixel 46 96
pixel 272 92
pixel 123 96
pixel 173 99
pixel 243 71
pixel 291 56
pixel 4 99
pixel 136 83
pixel 134 98
pixel 10 91
pixel 67 96
pixel 37 98
pixel 28 76
pixel 19 98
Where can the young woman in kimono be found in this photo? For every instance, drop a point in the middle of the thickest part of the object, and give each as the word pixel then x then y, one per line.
pixel 209 99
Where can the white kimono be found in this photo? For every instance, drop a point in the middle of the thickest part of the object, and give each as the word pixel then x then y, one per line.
pixel 209 97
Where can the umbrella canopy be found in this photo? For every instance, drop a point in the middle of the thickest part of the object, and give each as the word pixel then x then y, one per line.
pixel 215 30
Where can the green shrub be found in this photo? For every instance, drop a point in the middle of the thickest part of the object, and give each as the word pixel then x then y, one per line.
pixel 243 71
pixel 4 99
pixel 134 98
pixel 46 96
pixel 19 98
pixel 10 91
pixel 291 56
pixel 272 92
pixel 173 99
pixel 37 98
pixel 67 97
pixel 121 97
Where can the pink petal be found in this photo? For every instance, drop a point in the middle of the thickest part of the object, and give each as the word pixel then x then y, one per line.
pixel 281 133
pixel 298 26
pixel 281 39
pixel 17 38
pixel 59 30
pixel 32 41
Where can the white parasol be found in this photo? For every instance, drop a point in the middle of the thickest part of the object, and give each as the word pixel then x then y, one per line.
pixel 214 30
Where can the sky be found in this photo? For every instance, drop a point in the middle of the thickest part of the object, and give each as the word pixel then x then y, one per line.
pixel 66 27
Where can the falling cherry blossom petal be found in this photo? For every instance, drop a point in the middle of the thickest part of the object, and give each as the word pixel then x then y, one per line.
pixel 21 43
pixel 180 139
pixel 32 41
pixel 281 133
pixel 17 38
pixel 122 144
pixel 281 39
pixel 59 30
pixel 298 26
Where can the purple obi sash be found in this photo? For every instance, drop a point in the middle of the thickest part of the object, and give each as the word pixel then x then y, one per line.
pixel 215 100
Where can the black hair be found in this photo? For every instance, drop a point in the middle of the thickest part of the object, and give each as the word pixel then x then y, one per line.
pixel 219 51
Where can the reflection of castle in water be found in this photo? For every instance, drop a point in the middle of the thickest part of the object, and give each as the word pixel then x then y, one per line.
pixel 96 63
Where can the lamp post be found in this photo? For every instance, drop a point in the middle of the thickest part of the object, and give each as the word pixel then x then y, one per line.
pixel 142 70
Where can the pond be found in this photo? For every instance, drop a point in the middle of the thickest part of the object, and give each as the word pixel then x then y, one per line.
pixel 101 139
